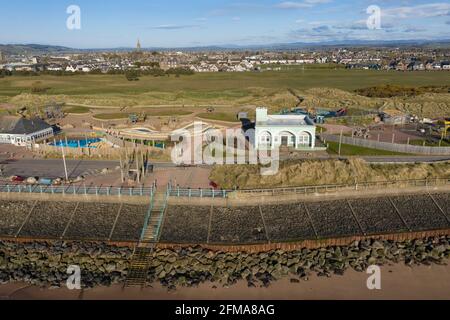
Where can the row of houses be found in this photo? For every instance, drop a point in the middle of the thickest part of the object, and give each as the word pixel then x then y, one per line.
pixel 418 65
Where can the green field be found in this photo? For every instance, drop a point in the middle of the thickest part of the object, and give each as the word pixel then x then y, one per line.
pixel 167 113
pixel 350 150
pixel 111 116
pixel 210 86
pixel 220 116
pixel 76 109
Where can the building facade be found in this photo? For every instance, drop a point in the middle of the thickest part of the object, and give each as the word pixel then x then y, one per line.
pixel 292 130
pixel 22 132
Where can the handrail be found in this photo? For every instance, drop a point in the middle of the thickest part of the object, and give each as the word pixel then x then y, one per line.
pixel 309 189
pixel 76 190
pixel 148 215
pixel 161 216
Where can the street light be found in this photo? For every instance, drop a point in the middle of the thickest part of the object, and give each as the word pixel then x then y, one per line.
pixel 64 160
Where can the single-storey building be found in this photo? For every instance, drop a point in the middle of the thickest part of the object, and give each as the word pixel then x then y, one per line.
pixel 290 130
pixel 21 131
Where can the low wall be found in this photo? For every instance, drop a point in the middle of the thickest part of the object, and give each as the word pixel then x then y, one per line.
pixel 310 244
pixel 395 147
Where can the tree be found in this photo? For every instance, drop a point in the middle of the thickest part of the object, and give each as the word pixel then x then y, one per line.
pixel 132 75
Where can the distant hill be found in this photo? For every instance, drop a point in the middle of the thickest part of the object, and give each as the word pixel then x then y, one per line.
pixel 17 49
pixel 14 49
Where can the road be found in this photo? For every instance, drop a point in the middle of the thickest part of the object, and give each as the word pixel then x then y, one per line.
pixel 54 168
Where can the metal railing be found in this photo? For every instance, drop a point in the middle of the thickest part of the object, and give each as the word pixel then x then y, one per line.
pixel 77 190
pixel 389 146
pixel 148 215
pixel 197 193
pixel 305 190
pixel 347 187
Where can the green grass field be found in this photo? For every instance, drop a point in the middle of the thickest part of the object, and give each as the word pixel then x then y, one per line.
pixel 220 116
pixel 111 116
pixel 167 113
pixel 350 150
pixel 76 109
pixel 209 86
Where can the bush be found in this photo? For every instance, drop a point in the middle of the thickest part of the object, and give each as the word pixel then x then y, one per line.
pixel 132 75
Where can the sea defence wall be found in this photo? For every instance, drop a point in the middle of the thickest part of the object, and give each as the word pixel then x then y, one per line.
pixel 40 239
pixel 46 263
pixel 311 220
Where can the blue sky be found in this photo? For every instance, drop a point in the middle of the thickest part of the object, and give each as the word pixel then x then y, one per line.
pixel 177 23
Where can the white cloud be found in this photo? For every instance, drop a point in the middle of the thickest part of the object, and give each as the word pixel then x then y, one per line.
pixel 236 19
pixel 175 26
pixel 300 5
pixel 419 11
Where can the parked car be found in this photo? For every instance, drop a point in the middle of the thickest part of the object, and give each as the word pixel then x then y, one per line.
pixel 213 185
pixel 17 179
pixel 45 181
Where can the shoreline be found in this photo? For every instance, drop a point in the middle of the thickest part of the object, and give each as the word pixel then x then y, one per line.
pixel 398 281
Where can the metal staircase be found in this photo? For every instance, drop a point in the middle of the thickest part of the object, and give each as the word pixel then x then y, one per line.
pixel 137 276
pixel 140 260
pixel 157 210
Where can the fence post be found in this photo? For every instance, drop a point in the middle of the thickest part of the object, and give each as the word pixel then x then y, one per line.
pixel 120 191
pixel 52 189
pixel 141 190
pixel 96 190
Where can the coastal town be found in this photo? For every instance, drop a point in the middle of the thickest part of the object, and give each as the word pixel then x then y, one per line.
pixel 111 62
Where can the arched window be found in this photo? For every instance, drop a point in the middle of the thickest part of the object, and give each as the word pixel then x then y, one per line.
pixel 304 139
pixel 265 138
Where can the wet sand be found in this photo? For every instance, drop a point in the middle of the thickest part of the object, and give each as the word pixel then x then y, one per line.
pixel 398 282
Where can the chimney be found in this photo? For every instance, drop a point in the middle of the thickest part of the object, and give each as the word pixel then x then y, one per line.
pixel 261 114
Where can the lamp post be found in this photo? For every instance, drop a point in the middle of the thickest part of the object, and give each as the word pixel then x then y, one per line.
pixel 64 161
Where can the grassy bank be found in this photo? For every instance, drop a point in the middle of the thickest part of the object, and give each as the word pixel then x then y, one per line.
pixel 316 172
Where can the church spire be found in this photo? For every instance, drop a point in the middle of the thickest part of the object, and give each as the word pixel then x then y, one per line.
pixel 138 45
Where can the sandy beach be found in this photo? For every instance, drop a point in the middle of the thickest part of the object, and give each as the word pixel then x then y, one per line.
pixel 397 281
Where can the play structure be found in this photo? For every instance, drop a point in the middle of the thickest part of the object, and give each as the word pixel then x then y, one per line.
pixel 317 115
pixel 445 124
